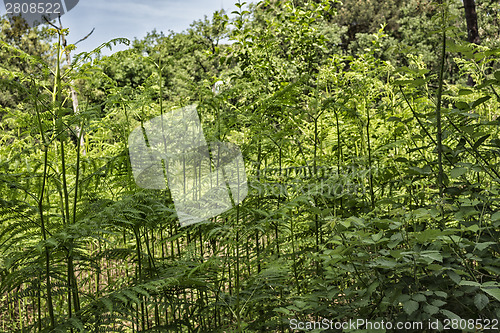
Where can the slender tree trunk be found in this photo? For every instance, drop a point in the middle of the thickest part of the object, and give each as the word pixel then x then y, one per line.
pixel 472 28
pixel 471 19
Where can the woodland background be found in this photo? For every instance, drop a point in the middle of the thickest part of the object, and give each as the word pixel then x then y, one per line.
pixel 370 134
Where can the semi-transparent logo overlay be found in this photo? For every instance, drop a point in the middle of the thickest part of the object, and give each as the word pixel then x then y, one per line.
pixel 204 180
pixel 36 12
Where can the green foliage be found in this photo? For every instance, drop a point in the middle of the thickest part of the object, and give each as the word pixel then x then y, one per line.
pixel 345 217
pixel 34 42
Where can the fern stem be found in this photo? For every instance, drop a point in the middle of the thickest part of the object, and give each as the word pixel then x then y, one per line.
pixel 439 138
pixel 368 143
pixel 238 268
pixel 50 304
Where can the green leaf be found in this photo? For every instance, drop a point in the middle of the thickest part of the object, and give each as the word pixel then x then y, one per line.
pixel 421 213
pixel 437 302
pixel 395 253
pixel 497 75
pixel 384 263
pixel 108 304
pixel 482 246
pixel 345 223
pixel 139 290
pixel 416 83
pixel 316 210
pixel 431 309
pixel 465 92
pixel 480 301
pixel 404 298
pixel 495 216
pixel 454 277
pixel 473 228
pixel 372 287
pixel 450 314
pixel 76 323
pixel 132 296
pixel 480 141
pixel 470 284
pixel 434 255
pixel 462 106
pixel 493 292
pixel 284 311
pixel 451 46
pixel 376 237
pixel 457 172
pixel 121 298
pixel 356 221
pixel 410 307
pixel 429 235
pixel 479 101
pixel 435 267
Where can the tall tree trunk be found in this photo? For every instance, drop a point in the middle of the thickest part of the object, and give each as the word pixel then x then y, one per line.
pixel 471 19
pixel 472 28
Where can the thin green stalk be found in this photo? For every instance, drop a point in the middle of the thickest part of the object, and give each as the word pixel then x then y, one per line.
pixel 372 194
pixel 339 151
pixel 139 271
pixel 66 217
pixel 76 298
pixel 315 169
pixel 238 268
pixel 20 313
pixel 42 219
pixel 259 199
pixel 39 304
pixel 439 138
pixel 295 273
pixel 78 147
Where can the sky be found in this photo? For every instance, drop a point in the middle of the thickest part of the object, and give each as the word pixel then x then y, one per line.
pixel 130 19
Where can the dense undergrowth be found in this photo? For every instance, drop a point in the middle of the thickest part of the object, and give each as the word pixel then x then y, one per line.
pixel 373 182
